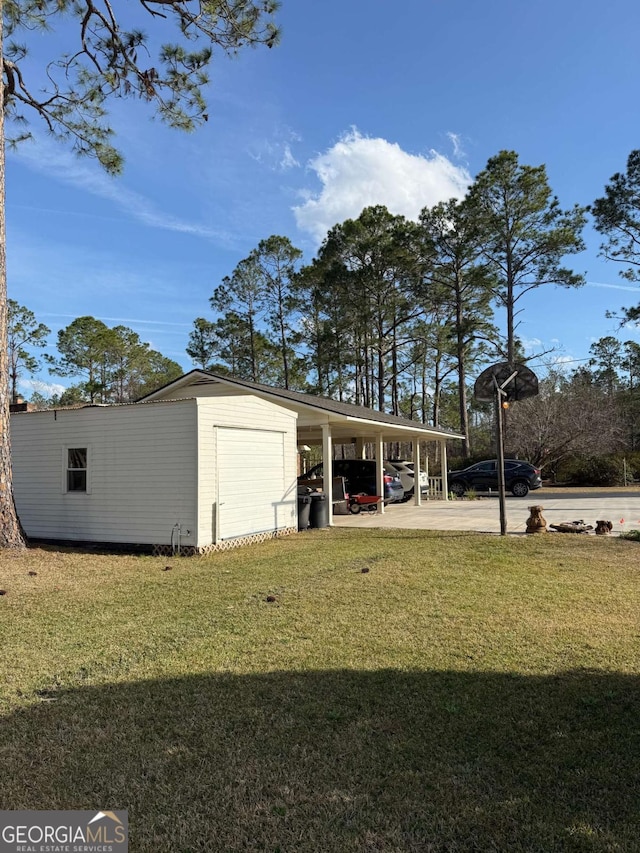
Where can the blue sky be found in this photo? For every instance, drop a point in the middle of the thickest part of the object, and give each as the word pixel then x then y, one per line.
pixel 362 103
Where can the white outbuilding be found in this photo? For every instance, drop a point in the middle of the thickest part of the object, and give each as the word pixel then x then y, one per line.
pixel 205 463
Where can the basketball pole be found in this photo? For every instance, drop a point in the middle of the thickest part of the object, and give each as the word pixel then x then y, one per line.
pixel 500 459
pixel 488 386
pixel 501 394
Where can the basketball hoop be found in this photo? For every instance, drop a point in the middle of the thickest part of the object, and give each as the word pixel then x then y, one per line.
pixel 516 382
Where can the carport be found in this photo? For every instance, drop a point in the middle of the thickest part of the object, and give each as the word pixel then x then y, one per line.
pixel 327 423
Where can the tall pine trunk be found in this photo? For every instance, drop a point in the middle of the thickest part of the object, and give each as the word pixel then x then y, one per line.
pixel 462 373
pixel 283 347
pixel 395 393
pixel 11 535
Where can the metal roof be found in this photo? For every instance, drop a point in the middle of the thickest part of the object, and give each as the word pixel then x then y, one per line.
pixel 307 401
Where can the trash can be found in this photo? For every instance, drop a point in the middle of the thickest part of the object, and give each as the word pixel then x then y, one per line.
pixel 304 509
pixel 319 515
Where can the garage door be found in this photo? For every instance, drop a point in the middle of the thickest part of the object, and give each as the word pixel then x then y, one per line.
pixel 250 482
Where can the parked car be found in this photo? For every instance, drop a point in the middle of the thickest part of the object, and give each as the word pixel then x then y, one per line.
pixel 360 476
pixel 519 477
pixel 405 471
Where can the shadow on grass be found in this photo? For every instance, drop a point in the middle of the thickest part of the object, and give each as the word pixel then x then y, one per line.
pixel 331 762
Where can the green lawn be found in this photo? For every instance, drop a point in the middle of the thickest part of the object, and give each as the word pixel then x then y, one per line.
pixel 466 693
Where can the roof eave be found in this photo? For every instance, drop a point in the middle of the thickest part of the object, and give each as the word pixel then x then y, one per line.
pixel 271 394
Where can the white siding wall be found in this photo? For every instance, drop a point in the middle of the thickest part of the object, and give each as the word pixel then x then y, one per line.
pixel 204 389
pixel 248 416
pixel 142 470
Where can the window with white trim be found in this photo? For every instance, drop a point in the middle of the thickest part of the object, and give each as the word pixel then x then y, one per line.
pixel 77 458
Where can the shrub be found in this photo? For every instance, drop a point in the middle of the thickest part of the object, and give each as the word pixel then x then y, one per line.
pixel 591 471
pixel 633 535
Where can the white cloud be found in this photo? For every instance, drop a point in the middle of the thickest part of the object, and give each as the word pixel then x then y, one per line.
pixel 456 140
pixel 47 389
pixel 359 171
pixel 85 174
pixel 613 286
pixel 276 151
pixel 131 320
pixel 288 160
pixel 530 344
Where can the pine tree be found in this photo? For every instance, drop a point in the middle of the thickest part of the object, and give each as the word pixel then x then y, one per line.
pixel 105 58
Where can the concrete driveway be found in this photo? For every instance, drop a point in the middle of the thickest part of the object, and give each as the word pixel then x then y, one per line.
pixel 621 506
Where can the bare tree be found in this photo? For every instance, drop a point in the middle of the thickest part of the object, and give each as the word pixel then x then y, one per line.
pixel 568 415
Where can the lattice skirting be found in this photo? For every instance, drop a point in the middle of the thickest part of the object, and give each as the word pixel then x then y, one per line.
pixel 225 545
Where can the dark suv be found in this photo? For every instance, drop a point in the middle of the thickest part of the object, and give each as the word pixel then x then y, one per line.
pixel 360 476
pixel 519 477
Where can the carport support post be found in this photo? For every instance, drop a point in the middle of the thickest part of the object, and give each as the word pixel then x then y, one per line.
pixel 417 491
pixel 443 469
pixel 380 470
pixel 327 468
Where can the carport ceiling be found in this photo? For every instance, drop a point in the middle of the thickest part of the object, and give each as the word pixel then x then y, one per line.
pixel 346 430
